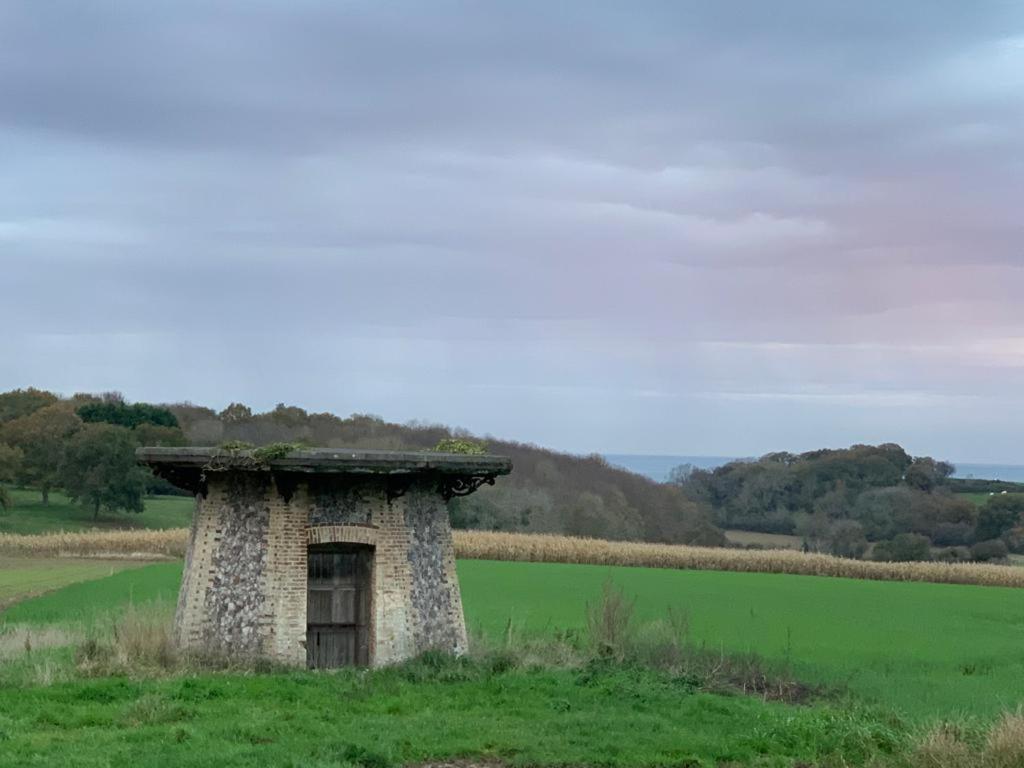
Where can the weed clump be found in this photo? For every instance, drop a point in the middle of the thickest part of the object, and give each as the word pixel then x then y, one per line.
pixel 140 640
pixel 950 745
pixel 1004 747
pixel 140 643
pixel 610 623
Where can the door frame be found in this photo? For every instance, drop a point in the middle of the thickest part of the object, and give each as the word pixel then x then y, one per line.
pixel 365 592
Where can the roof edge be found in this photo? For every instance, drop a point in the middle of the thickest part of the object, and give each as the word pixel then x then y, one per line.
pixel 326 460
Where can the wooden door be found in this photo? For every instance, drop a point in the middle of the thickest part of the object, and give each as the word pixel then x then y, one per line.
pixel 338 606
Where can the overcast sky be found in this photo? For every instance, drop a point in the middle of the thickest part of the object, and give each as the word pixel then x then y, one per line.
pixel 707 227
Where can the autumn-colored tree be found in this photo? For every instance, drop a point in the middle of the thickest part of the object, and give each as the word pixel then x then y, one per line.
pixel 926 473
pixel 153 434
pixel 100 470
pixel 236 412
pixel 22 402
pixel 41 436
pixel 10 465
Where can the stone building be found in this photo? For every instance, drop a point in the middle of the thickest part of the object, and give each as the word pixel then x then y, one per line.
pixel 321 557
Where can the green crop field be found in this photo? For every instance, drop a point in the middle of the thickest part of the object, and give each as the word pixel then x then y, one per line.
pixel 22 577
pixel 923 650
pixel 29 515
pixel 89 600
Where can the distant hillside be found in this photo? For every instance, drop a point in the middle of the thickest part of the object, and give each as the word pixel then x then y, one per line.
pixel 863 499
pixel 547 492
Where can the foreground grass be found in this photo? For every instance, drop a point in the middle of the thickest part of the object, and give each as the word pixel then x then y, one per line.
pixel 550 703
pixel 923 650
pixel 426 710
pixel 29 515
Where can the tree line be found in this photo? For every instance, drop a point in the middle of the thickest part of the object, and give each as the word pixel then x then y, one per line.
pixel 547 492
pixel 859 500
pixel 84 445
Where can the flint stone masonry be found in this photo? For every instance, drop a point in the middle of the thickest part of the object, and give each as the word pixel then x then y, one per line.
pixel 244 590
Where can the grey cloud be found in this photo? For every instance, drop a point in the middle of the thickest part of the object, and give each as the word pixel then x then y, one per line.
pixel 721 227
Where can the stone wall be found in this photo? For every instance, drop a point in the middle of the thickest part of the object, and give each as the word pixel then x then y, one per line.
pixel 435 599
pixel 234 597
pixel 244 590
pixel 336 500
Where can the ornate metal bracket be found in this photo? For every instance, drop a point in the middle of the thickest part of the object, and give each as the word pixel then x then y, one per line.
pixel 462 485
pixel 192 479
pixel 396 487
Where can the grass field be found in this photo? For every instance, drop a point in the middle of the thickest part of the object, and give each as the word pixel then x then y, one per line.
pixel 91 599
pixel 896 656
pixel 923 650
pixel 429 710
pixel 29 515
pixel 420 712
pixel 23 577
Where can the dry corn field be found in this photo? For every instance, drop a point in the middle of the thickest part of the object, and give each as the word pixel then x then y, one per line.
pixel 115 544
pixel 485 545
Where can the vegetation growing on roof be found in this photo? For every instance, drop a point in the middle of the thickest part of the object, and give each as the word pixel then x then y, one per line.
pixel 266 454
pixel 261 456
pixel 461 445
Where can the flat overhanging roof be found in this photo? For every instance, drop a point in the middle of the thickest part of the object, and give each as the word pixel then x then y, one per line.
pixel 327 461
pixel 456 474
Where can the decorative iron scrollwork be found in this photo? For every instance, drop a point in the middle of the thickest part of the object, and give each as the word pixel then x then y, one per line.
pixel 396 487
pixel 463 485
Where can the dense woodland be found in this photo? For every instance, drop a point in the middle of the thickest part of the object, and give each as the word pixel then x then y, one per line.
pixel 862 501
pixel 547 492
pixel 84 445
pixel 850 501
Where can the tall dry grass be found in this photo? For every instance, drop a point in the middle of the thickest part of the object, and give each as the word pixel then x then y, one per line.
pixel 950 746
pixel 483 545
pixel 486 545
pixel 140 638
pixel 112 544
